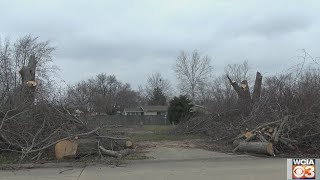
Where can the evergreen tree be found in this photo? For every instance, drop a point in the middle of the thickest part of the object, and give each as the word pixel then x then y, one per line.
pixel 179 109
pixel 158 97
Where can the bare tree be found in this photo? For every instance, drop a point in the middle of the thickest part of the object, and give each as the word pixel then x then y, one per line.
pixel 156 81
pixel 29 45
pixel 102 94
pixel 6 71
pixel 15 56
pixel 238 72
pixel 193 71
pixel 219 95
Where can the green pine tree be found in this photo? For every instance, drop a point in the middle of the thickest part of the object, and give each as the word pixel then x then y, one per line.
pixel 179 109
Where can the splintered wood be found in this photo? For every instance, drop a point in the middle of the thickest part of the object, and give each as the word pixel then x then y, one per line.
pixel 262 140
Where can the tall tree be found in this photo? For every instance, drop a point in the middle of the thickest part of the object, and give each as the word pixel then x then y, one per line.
pixel 193 71
pixel 156 80
pixel 158 98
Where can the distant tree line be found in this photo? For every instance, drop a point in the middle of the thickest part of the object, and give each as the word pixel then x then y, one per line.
pixel 106 93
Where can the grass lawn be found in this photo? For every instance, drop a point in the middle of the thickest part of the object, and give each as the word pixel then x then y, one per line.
pixel 159 133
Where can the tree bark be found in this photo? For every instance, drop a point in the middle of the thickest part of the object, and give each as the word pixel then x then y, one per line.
pixel 245 101
pixel 244 97
pixel 92 145
pixel 257 88
pixel 24 95
pixel 246 140
pixel 257 147
pixel 235 86
pixel 28 73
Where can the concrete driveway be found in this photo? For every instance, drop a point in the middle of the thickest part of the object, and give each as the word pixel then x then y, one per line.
pixel 169 163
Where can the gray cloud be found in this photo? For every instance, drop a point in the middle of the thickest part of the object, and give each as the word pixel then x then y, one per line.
pixel 133 39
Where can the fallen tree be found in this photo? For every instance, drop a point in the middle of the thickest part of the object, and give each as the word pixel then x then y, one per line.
pixel 30 124
pixel 257 147
pixel 88 146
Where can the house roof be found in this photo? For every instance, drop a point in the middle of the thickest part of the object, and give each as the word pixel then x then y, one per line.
pixel 137 109
pixel 154 108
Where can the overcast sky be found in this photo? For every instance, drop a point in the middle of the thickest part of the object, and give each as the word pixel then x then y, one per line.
pixel 132 39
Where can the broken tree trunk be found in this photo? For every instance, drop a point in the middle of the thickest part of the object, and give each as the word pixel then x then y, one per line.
pixel 242 90
pixel 87 146
pixel 257 88
pixel 246 140
pixel 245 101
pixel 24 95
pixel 257 147
pixel 28 73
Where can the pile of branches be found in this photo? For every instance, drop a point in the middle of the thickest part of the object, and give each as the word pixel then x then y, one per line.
pixel 37 129
pixel 264 139
pixel 292 95
pixel 32 125
pixel 221 126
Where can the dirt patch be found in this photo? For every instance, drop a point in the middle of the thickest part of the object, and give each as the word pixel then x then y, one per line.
pixel 170 144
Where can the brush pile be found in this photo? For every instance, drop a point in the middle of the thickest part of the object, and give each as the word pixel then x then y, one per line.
pixel 264 139
pixel 31 125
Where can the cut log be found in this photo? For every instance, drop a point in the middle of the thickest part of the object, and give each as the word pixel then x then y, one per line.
pixel 129 144
pixel 257 147
pixel 90 145
pixel 117 154
pixel 261 137
pixel 87 146
pixel 65 148
pixel 116 143
pixel 109 152
pixel 248 134
pixel 270 130
pixel 236 142
pixel 247 140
